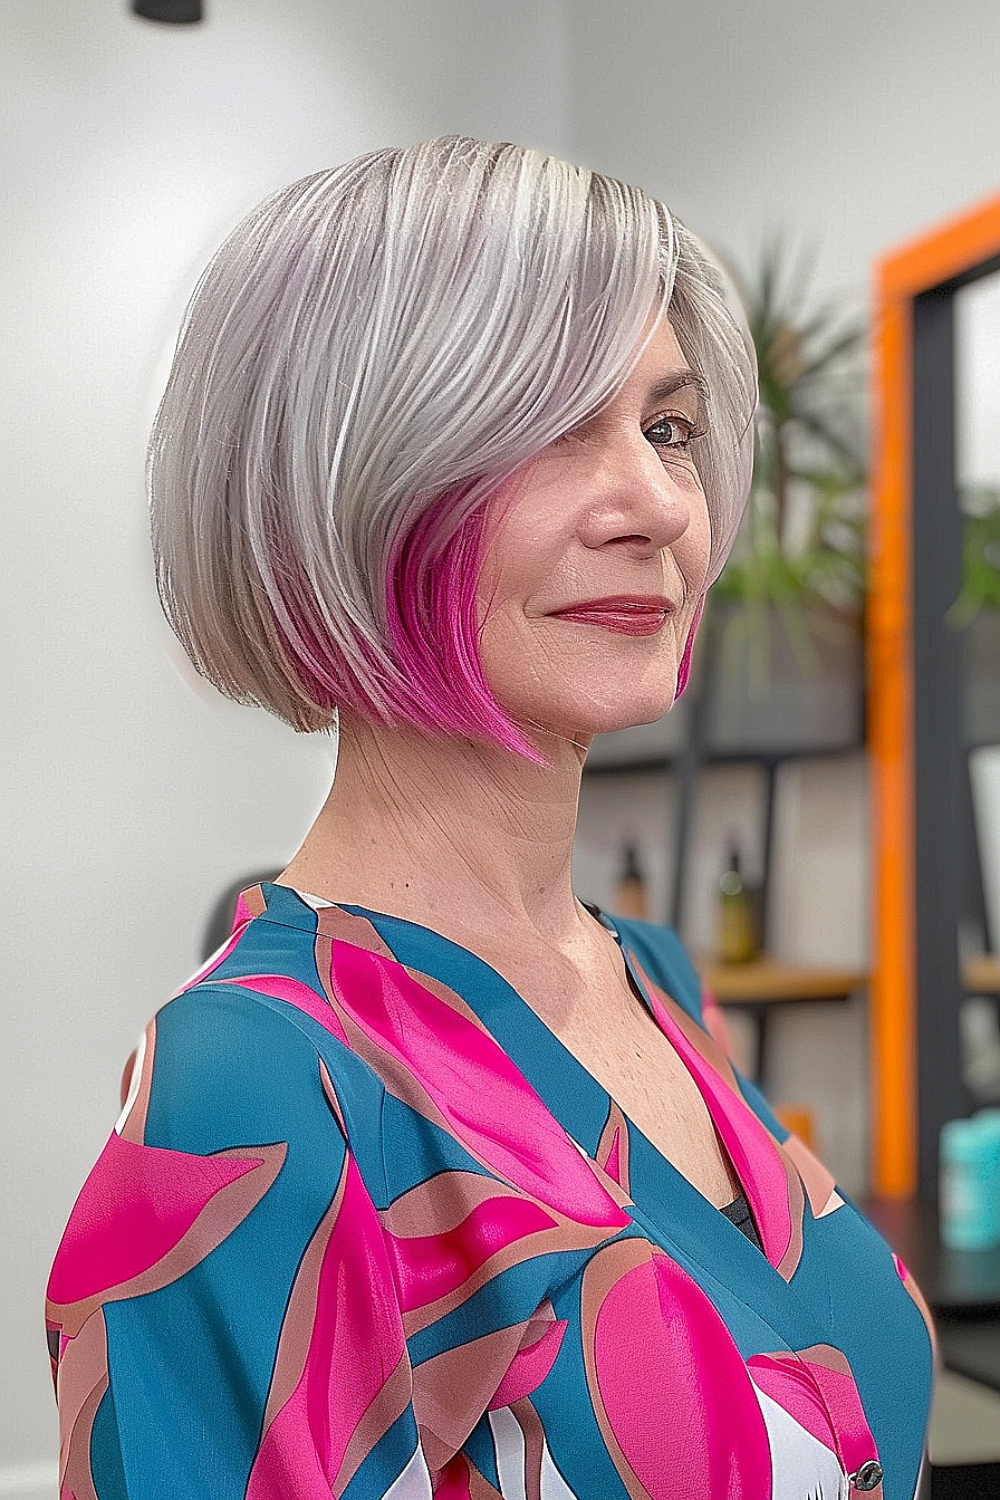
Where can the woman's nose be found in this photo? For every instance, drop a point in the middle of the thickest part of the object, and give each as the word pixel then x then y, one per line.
pixel 641 499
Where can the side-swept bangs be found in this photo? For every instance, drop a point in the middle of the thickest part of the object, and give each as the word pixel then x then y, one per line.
pixel 367 362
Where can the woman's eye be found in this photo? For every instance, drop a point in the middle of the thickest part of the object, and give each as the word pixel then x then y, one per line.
pixel 672 432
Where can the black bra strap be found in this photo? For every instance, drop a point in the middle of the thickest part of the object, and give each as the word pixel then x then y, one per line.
pixel 738 1213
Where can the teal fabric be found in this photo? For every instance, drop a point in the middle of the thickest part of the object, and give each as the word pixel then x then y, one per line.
pixel 367 1228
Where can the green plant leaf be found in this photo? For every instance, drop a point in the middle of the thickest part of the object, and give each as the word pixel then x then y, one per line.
pixel 804 536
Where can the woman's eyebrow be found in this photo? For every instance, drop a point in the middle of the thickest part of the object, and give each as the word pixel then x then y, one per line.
pixel 678 381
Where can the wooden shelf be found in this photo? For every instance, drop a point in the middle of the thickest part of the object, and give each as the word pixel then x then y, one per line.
pixel 764 985
pixel 669 760
pixel 981 975
pixel 767 981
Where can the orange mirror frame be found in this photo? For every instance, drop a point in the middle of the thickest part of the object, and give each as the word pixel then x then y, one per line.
pixel 901 276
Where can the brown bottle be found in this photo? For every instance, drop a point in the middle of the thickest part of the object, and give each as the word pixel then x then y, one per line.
pixel 736 930
pixel 630 898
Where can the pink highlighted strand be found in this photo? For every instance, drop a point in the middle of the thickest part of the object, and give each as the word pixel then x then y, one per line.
pixel 684 670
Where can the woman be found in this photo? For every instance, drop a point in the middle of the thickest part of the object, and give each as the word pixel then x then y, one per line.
pixel 432 1180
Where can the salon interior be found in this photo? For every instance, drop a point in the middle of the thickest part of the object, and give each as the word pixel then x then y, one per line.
pixel 819 816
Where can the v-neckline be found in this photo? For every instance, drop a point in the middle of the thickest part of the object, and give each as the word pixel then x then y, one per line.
pixel 510 1033
pixel 635 983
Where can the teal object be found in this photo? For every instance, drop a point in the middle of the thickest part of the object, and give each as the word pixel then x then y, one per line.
pixel 970 1182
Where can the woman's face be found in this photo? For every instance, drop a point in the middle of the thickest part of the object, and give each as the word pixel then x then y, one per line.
pixel 591 584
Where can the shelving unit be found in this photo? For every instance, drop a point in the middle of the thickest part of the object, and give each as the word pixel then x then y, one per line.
pixel 761 987
pixel 687 769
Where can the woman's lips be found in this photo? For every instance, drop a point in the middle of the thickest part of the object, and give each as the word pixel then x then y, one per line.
pixel 625 619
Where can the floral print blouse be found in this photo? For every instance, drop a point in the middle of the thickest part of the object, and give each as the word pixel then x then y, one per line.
pixel 365 1228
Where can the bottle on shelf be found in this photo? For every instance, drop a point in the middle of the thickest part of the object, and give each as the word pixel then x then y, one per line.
pixel 737 925
pixel 630 898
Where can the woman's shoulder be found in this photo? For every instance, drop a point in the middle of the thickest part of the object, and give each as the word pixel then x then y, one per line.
pixel 250 1048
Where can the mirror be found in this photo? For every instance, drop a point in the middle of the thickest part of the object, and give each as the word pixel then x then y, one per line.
pixel 977 477
pixel 977 474
pixel 934 672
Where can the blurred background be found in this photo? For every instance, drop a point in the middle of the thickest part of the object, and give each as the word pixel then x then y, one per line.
pixel 811 139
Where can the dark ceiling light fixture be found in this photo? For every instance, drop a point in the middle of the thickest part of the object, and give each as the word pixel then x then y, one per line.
pixel 178 12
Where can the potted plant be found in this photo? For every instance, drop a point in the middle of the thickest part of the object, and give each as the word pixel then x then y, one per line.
pixel 779 659
pixel 784 626
pixel 976 611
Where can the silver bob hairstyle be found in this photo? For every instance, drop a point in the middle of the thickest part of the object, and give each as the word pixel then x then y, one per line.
pixel 373 355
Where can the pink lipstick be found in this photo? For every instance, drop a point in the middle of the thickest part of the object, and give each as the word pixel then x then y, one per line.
pixel 628 614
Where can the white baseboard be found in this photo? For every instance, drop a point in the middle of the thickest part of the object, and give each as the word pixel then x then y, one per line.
pixel 29 1481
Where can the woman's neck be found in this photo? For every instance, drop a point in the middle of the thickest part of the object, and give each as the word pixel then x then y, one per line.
pixel 457 835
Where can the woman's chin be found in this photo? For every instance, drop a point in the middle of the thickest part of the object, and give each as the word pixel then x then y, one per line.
pixel 613 723
pixel 606 718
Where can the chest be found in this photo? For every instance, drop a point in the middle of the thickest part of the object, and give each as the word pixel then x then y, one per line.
pixel 608 1030
pixel 636 1065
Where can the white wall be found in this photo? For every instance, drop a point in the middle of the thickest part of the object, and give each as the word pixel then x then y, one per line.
pixel 858 124
pixel 126 152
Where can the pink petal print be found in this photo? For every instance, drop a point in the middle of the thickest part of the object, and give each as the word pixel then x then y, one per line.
pixel 485 1099
pixel 137 1204
pixel 530 1365
pixel 660 1347
pixel 429 1266
pixel 789 1381
pixel 341 1376
pixel 816 1386
pixel 452 1482
pixel 855 1443
pixel 755 1155
pixel 612 1153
